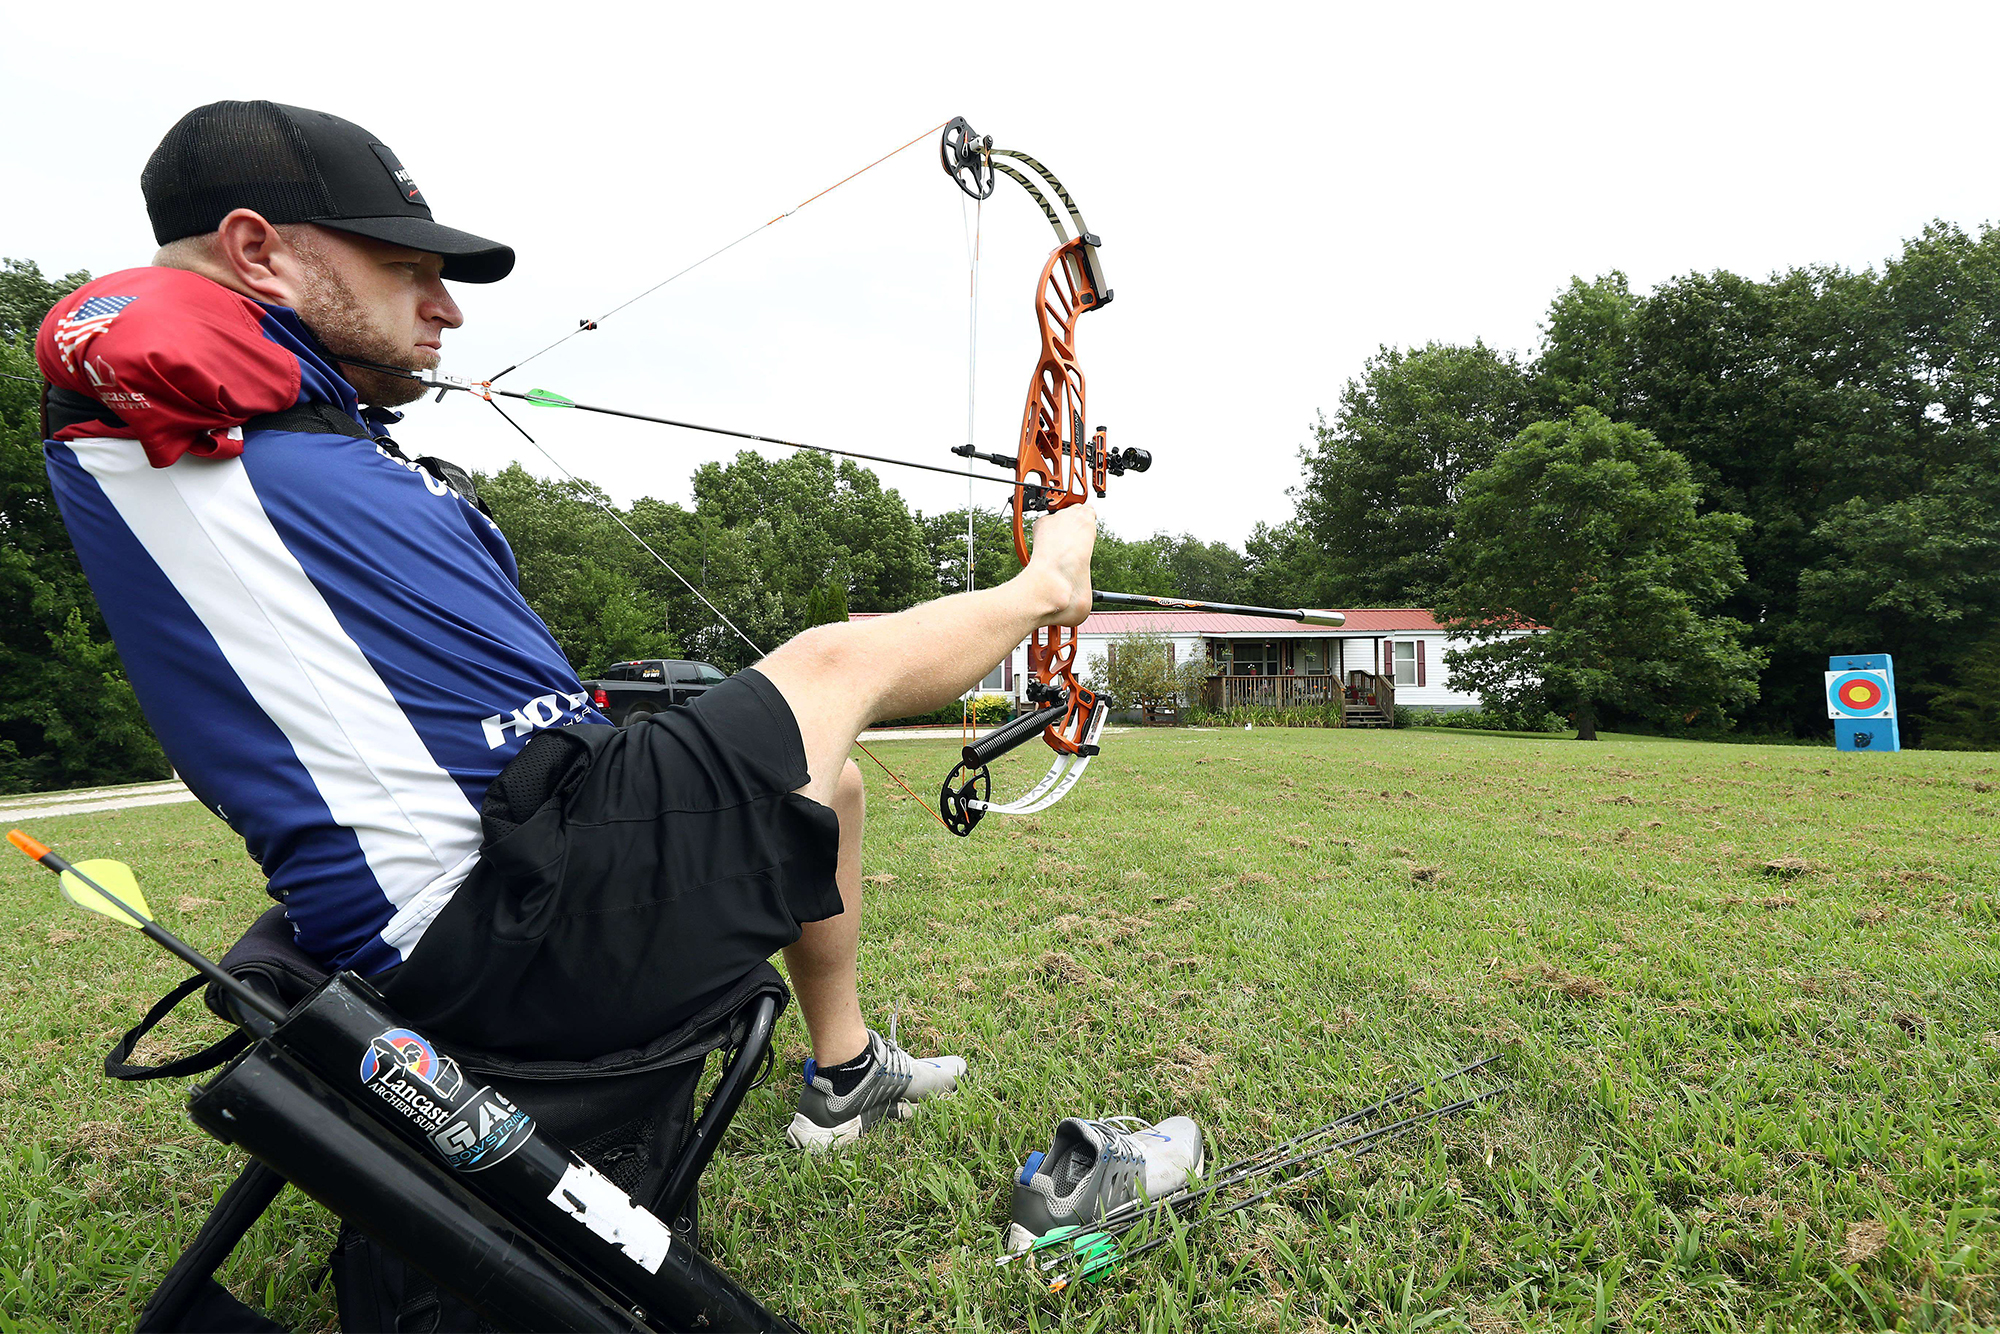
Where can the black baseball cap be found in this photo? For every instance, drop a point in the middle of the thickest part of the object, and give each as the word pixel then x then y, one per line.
pixel 295 165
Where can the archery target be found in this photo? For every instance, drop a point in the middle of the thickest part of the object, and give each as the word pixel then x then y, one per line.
pixel 1858 694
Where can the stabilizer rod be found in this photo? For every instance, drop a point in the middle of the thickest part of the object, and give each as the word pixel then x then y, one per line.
pixel 1302 615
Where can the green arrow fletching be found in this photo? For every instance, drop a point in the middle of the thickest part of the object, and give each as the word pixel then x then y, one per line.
pixel 545 398
pixel 116 877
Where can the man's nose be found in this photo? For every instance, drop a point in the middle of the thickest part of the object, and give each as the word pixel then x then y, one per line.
pixel 439 308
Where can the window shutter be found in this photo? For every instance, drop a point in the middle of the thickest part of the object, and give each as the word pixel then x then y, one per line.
pixel 1420 662
pixel 1170 655
pixel 1007 676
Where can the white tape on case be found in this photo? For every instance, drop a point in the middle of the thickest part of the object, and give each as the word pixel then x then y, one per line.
pixel 587 1196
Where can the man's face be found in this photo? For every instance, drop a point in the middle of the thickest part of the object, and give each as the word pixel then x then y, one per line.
pixel 379 302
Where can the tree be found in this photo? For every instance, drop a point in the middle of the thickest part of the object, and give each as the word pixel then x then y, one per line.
pixel 1382 481
pixel 992 546
pixel 578 570
pixel 68 717
pixel 810 519
pixel 1966 715
pixel 827 605
pixel 1587 527
pixel 1851 417
pixel 1283 568
pixel 1136 672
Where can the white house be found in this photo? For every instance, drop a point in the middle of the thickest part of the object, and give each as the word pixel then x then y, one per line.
pixel 1381 657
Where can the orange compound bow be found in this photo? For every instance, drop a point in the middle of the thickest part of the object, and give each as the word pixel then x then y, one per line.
pixel 1057 466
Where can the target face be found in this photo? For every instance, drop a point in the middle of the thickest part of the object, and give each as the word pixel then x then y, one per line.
pixel 1858 694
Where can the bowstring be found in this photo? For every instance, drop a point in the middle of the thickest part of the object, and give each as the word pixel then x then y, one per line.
pixel 604 504
pixel 971 414
pixel 584 326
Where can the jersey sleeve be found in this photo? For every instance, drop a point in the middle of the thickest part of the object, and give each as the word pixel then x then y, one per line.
pixel 182 361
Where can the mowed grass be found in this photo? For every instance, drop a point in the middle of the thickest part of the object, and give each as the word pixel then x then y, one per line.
pixel 1746 1095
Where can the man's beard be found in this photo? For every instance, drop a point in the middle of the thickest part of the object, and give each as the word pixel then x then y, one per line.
pixel 329 307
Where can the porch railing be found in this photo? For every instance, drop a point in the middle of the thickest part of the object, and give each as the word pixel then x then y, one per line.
pixel 1286 692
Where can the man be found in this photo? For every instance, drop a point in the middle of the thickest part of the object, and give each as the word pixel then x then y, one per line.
pixel 329 642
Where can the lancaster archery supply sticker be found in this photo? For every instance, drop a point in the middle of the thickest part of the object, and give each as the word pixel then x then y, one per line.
pixel 401 1048
pixel 470 1131
pixel 1858 694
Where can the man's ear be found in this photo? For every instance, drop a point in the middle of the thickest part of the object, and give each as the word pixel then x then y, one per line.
pixel 259 259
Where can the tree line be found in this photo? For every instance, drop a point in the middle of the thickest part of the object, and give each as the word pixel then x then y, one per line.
pixel 1698 492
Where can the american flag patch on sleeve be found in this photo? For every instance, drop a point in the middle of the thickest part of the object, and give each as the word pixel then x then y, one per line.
pixel 84 323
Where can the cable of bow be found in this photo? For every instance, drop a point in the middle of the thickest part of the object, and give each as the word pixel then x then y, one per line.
pixel 688 584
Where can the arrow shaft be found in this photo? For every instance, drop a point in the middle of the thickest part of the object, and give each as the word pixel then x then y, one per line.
pixel 1302 615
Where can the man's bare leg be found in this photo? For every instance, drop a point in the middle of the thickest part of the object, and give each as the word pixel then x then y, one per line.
pixel 840 678
pixel 822 960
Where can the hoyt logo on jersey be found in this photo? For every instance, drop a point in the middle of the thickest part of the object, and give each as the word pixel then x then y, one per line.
pixel 542 711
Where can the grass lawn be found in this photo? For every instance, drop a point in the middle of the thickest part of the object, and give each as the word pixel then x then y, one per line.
pixel 1745 1097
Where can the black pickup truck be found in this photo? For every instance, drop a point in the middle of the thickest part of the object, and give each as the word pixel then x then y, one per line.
pixel 628 691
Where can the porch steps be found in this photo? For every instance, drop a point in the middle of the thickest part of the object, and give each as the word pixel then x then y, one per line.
pixel 1365 715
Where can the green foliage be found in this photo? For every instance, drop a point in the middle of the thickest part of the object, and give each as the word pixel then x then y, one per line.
pixel 992 546
pixel 987 711
pixel 774 545
pixel 1483 720
pixel 1162 565
pixel 827 605
pixel 577 568
pixel 1136 671
pixel 1283 568
pixel 25 296
pixel 1966 715
pixel 1587 528
pixel 1850 417
pixel 1269 715
pixel 1383 480
pixel 68 717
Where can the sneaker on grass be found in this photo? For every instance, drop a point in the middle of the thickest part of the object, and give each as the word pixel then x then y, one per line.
pixel 1093 1168
pixel 838 1106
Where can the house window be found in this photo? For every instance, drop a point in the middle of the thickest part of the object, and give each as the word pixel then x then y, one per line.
pixel 1255 657
pixel 995 679
pixel 1406 662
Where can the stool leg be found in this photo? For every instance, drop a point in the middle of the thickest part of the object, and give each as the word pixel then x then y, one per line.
pixel 716 1115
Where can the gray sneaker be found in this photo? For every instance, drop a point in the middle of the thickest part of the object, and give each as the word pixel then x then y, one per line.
pixel 1094 1168
pixel 891 1088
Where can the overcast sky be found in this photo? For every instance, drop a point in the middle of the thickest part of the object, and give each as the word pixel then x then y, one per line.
pixel 1279 191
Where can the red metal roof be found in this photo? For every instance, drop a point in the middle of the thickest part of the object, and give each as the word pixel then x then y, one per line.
pixel 1360 620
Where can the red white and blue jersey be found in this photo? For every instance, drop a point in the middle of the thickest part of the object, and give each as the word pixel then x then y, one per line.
pixel 328 641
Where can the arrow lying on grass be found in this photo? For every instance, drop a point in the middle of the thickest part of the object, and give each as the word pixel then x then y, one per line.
pixel 1304 1156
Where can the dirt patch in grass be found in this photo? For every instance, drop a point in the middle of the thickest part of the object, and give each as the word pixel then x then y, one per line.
pixel 1864 1241
pixel 1550 977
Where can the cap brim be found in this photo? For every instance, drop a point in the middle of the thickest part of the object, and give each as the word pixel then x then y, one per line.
pixel 467 258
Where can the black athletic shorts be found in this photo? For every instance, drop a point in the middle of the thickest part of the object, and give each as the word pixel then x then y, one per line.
pixel 627 875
